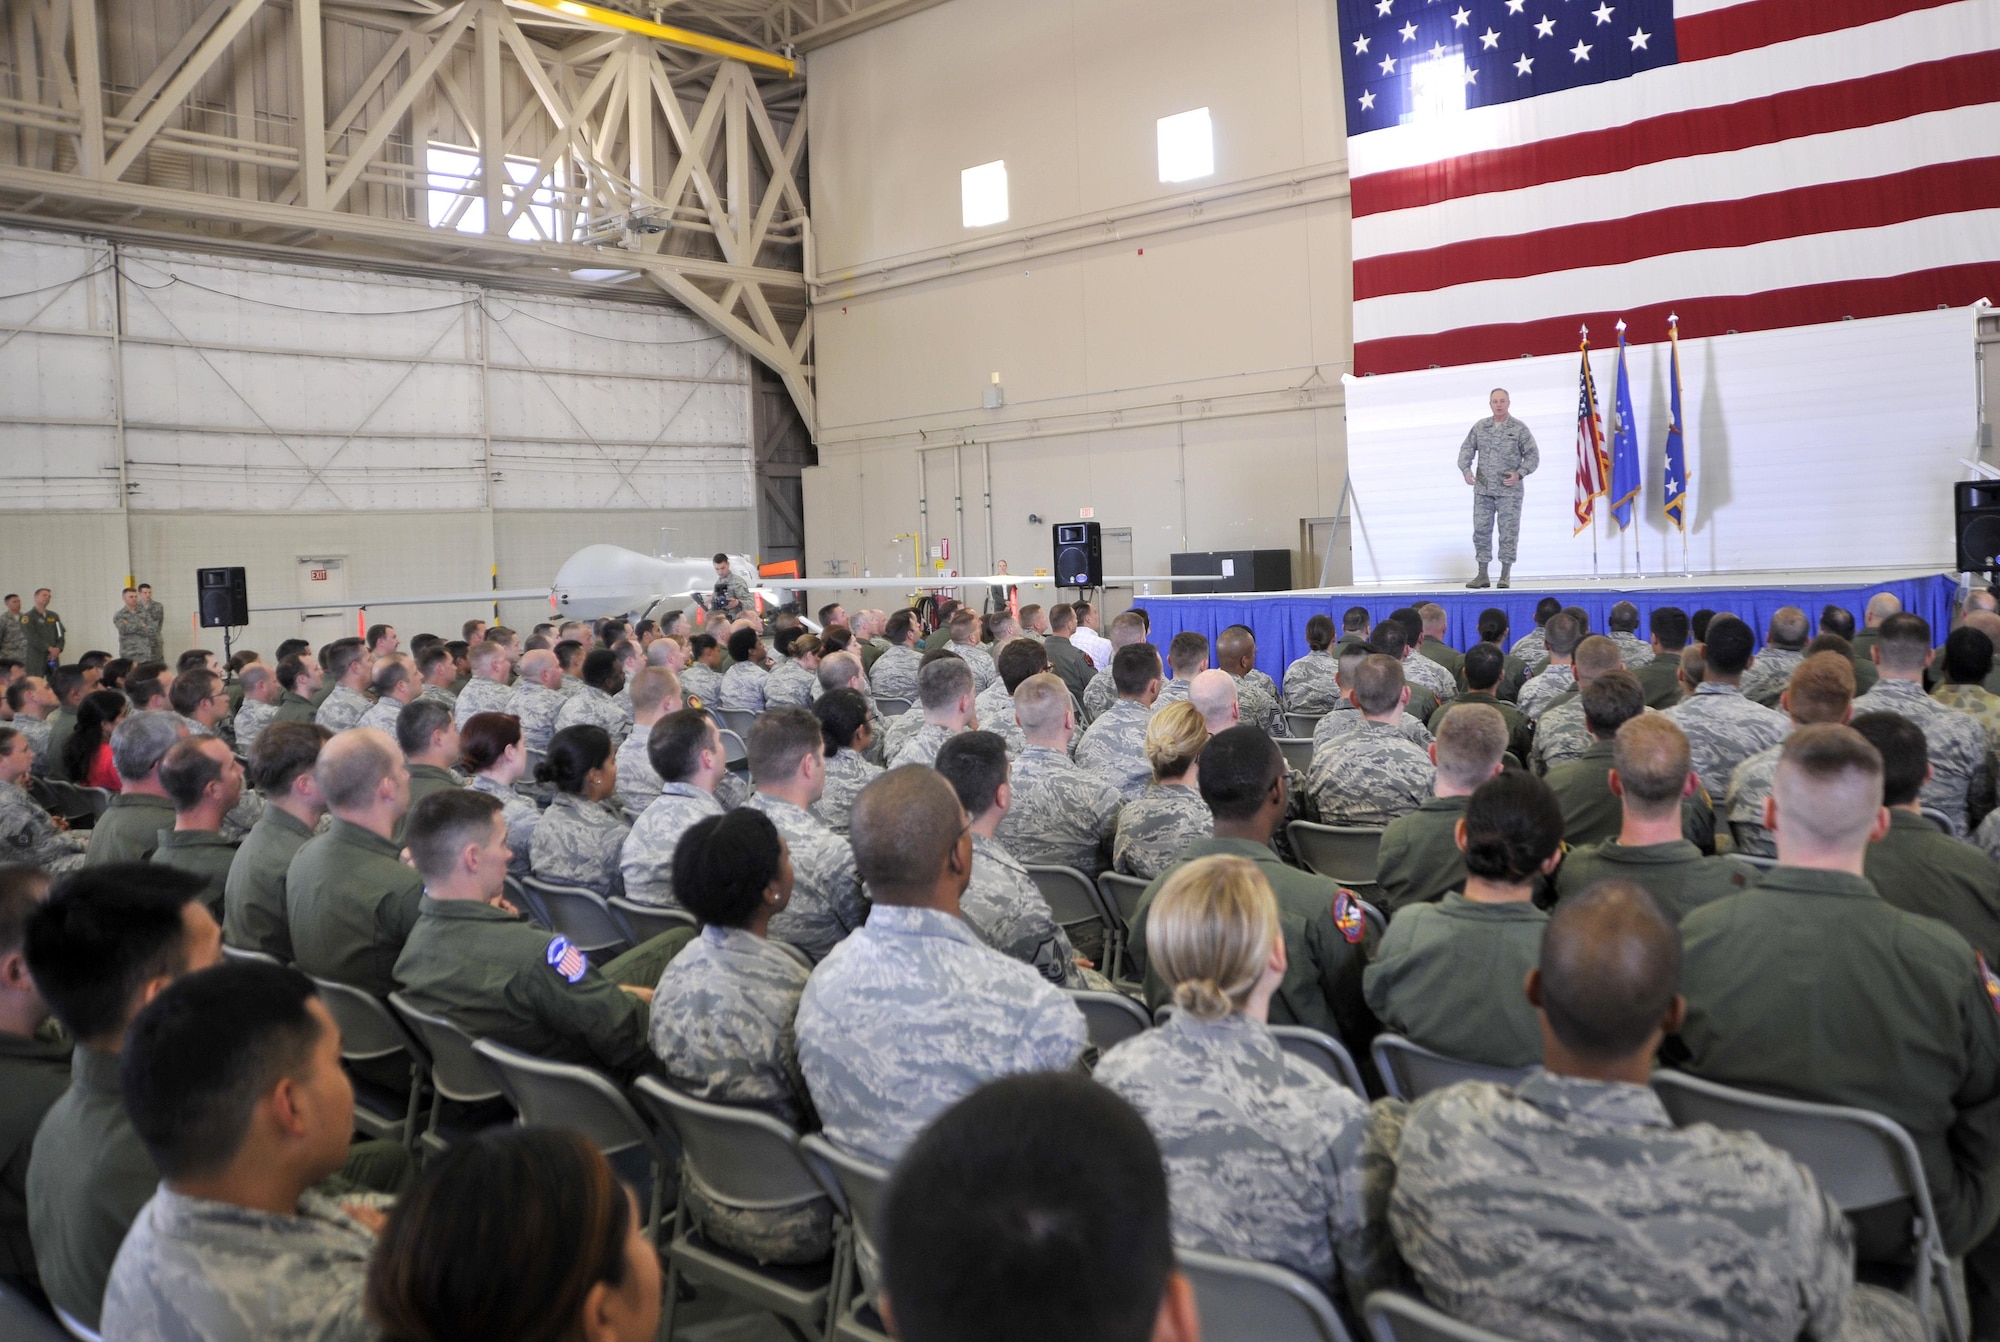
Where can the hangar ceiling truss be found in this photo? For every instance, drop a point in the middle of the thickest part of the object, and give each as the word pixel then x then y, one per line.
pixel 464 138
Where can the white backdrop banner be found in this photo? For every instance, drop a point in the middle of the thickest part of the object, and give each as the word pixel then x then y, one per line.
pixel 1817 447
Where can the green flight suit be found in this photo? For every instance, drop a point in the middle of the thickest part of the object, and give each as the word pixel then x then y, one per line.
pixel 1420 861
pixel 936 638
pixel 870 649
pixel 503 979
pixel 45 634
pixel 424 780
pixel 1520 731
pixel 1675 874
pixel 1591 814
pixel 87 1179
pixel 327 685
pixel 1423 705
pixel 1921 869
pixel 205 853
pixel 350 904
pixel 253 897
pixel 34 1072
pixel 1322 984
pixel 62 725
pixel 129 829
pixel 1449 976
pixel 1444 655
pixel 293 708
pixel 1660 679
pixel 1813 986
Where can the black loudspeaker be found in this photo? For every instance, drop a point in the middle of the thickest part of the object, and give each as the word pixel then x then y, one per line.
pixel 1977 504
pixel 1079 554
pixel 225 598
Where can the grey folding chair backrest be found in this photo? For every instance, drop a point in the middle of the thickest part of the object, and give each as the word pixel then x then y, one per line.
pixel 529 903
pixel 647 921
pixel 1242 1301
pixel 1298 751
pixel 1109 1019
pixel 854 1184
pixel 734 750
pixel 737 720
pixel 889 706
pixel 1072 896
pixel 1396 1317
pixel 581 915
pixel 368 1029
pixel 563 1095
pixel 1761 863
pixel 744 1157
pixel 1345 853
pixel 1303 724
pixel 21 1321
pixel 1318 1049
pixel 99 798
pixel 249 957
pixel 1121 894
pixel 456 1071
pixel 1938 818
pixel 1410 1070
pixel 74 1326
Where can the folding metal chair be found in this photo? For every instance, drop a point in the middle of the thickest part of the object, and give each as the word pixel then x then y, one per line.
pixel 1109 1019
pixel 1345 853
pixel 735 754
pixel 1303 724
pixel 743 1158
pixel 1396 1317
pixel 581 915
pixel 1074 900
pixel 646 921
pixel 74 1326
pixel 369 1032
pixel 1761 863
pixel 856 1186
pixel 249 957
pixel 1938 818
pixel 529 903
pixel 455 1072
pixel 1242 1301
pixel 563 1095
pixel 1298 751
pixel 1860 1158
pixel 735 720
pixel 1121 895
pixel 1411 1070
pixel 889 706
pixel 1318 1049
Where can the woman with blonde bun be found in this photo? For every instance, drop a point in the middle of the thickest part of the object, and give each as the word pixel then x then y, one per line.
pixel 1169 815
pixel 1263 1153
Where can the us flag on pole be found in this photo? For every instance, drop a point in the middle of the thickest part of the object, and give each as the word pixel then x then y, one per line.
pixel 1520 167
pixel 1591 464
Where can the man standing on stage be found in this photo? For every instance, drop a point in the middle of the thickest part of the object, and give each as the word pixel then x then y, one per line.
pixel 1507 454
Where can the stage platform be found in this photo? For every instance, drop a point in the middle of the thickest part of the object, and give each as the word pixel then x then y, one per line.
pixel 1279 618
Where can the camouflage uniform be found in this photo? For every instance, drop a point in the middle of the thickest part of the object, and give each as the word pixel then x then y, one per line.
pixel 1724 729
pixel 578 843
pixel 897 731
pixel 1531 647
pixel 1675 874
pixel 701 682
pixel 156 616
pixel 1345 717
pixel 535 706
pixel 637 783
pixel 743 688
pixel 985 674
pixel 14 638
pixel 1448 976
pixel 722 1026
pixel 1560 736
pixel 1976 702
pixel 1175 691
pixel 480 695
pixel 1770 675
pixel 27 834
pixel 790 686
pixel 1114 748
pixel 1636 651
pixel 895 673
pixel 733 789
pixel 1419 861
pixel 1960 779
pixel 1263 1153
pixel 827 900
pixel 846 774
pixel 253 897
pixel 922 745
pixel 1155 826
pixel 192 1270
pixel 1420 670
pixel 341 709
pixel 382 715
pixel 36 732
pixel 251 719
pixel 1541 690
pixel 1503 448
pixel 135 633
pixel 570 685
pixel 1748 787
pixel 592 707
pixel 1561 1208
pixel 911 1014
pixel 1922 870
pixel 1372 776
pixel 1100 695
pixel 1061 816
pixel 647 859
pixel 1312 683
pixel 521 815
pixel 1009 914
pixel 995 711
pixel 440 696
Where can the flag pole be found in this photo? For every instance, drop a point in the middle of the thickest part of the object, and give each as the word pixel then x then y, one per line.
pixel 1674 338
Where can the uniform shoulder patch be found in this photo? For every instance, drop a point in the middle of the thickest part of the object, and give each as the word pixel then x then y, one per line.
pixel 566 959
pixel 1988 980
pixel 1347 916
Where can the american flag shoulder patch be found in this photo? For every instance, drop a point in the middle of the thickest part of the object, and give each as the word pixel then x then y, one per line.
pixel 566 959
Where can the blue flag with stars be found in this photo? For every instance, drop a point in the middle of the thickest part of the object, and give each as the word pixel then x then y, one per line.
pixel 1674 483
pixel 1408 60
pixel 1624 445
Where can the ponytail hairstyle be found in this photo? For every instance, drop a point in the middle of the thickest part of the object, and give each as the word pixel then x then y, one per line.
pixel 1210 932
pixel 1513 824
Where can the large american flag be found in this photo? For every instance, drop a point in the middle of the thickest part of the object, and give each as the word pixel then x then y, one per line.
pixel 1522 168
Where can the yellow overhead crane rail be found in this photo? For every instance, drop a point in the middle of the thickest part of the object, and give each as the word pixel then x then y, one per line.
pixel 660 32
